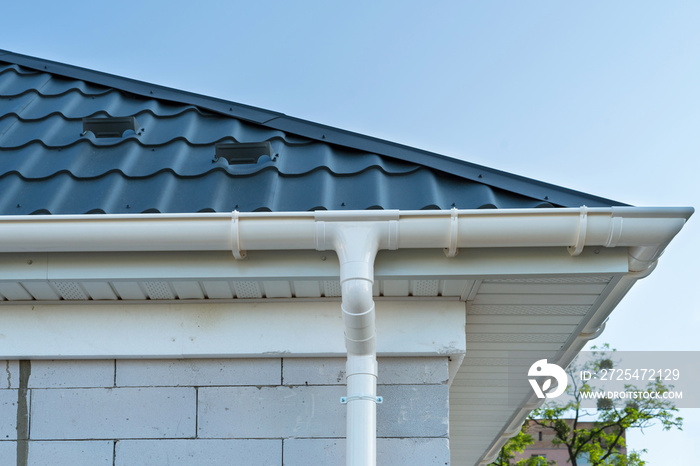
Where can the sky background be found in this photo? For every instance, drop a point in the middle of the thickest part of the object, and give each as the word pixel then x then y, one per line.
pixel 598 96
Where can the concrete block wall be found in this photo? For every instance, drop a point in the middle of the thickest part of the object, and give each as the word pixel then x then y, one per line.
pixel 267 411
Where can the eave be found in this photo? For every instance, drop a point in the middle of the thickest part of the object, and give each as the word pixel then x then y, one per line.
pixel 558 270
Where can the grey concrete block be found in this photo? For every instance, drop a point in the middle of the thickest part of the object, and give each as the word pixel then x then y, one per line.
pixel 390 452
pixel 198 372
pixel 8 414
pixel 9 374
pixel 315 411
pixel 71 374
pixel 60 453
pixel 331 371
pixel 313 371
pixel 113 413
pixel 198 452
pixel 8 453
pixel 69 453
pixel 413 411
pixel 413 371
pixel 271 412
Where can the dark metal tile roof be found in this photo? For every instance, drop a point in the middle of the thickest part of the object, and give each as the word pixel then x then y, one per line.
pixel 48 164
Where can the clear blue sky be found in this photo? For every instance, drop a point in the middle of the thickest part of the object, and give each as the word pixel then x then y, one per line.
pixel 599 96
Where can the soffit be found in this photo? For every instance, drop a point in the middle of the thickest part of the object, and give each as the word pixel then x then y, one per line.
pixel 510 324
pixel 85 277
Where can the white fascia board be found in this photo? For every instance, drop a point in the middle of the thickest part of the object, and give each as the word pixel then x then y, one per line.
pixel 241 330
pixel 307 265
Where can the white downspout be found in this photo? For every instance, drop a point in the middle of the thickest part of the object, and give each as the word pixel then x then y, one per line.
pixel 357 244
pixel 357 277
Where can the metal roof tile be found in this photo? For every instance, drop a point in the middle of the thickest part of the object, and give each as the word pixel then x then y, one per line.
pixel 15 81
pixel 84 159
pixel 74 105
pixel 57 131
pixel 265 190
pixel 49 165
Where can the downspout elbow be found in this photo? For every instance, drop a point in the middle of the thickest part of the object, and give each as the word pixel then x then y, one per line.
pixel 361 369
pixel 359 317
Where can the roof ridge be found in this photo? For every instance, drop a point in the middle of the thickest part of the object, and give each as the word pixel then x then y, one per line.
pixel 540 190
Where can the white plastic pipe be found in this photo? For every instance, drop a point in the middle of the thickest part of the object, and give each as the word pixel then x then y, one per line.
pixel 357 244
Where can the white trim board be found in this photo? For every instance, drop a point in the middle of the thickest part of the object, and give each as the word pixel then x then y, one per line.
pixel 241 330
pixel 307 264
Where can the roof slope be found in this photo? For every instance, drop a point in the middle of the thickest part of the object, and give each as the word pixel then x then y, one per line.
pixel 168 163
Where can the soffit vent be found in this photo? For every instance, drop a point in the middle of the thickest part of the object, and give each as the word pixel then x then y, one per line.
pixel 243 153
pixel 109 127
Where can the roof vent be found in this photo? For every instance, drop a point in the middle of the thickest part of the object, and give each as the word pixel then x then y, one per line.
pixel 243 153
pixel 109 127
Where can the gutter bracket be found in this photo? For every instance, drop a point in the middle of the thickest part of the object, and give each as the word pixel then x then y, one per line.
pixel 236 237
pixel 581 237
pixel 454 233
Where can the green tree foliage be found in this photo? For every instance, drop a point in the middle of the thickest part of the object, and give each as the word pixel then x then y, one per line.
pixel 601 442
pixel 517 445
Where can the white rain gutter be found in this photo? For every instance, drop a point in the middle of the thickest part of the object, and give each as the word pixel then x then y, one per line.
pixel 356 236
pixel 645 230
